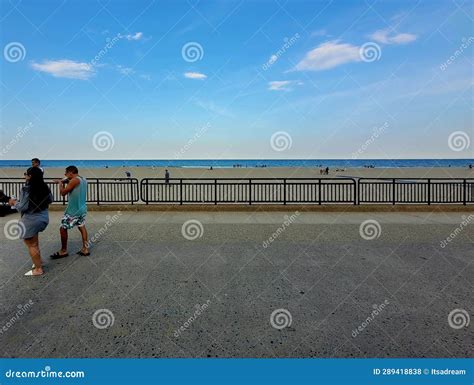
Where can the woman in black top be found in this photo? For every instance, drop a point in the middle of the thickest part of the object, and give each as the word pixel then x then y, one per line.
pixel 35 197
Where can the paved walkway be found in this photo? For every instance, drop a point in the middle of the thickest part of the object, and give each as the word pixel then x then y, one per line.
pixel 243 285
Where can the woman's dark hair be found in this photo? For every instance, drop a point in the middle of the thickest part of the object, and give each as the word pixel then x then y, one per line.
pixel 38 190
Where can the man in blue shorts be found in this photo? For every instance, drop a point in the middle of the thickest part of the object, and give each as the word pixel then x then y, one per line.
pixel 75 187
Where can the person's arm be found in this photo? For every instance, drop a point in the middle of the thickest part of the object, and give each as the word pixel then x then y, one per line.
pixel 50 197
pixel 64 190
pixel 23 202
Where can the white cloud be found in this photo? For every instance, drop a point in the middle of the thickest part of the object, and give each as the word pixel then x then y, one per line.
pixel 333 53
pixel 195 75
pixel 384 36
pixel 328 55
pixel 65 69
pixel 125 70
pixel 136 36
pixel 282 85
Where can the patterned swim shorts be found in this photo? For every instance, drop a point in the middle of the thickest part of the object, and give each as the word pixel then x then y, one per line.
pixel 69 221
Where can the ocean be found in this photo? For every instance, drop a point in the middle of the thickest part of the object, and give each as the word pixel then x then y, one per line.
pixel 229 163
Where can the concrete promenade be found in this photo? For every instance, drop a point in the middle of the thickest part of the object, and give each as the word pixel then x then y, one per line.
pixel 243 284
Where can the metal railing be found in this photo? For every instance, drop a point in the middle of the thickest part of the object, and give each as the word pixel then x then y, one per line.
pixel 249 191
pixel 99 190
pixel 266 190
pixel 416 191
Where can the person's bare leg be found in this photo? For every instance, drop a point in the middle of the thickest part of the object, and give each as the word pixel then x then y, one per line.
pixel 85 242
pixel 33 248
pixel 63 233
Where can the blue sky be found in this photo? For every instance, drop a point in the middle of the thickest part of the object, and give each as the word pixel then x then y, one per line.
pixel 223 79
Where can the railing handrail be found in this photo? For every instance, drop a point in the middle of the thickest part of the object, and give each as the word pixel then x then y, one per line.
pixel 247 179
pixel 422 179
pixel 52 179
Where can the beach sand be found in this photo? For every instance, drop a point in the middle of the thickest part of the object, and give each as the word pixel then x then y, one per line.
pixel 252 172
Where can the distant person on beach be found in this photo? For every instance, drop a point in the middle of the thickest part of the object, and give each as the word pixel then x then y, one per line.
pixel 327 170
pixel 5 208
pixel 167 177
pixel 128 174
pixel 75 186
pixel 35 197
pixel 35 162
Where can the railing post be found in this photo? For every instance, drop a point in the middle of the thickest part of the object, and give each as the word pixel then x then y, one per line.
pixel 180 191
pixel 284 191
pixel 131 191
pixel 215 191
pixel 429 191
pixel 146 191
pixel 464 198
pixel 393 191
pixel 319 192
pixel 250 191
pixel 356 192
pixel 98 189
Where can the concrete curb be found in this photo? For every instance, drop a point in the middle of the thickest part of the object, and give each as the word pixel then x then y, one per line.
pixel 276 207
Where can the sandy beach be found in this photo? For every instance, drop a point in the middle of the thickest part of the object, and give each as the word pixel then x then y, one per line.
pixel 254 172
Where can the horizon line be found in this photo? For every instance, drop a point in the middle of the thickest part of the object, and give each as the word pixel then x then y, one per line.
pixel 225 159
